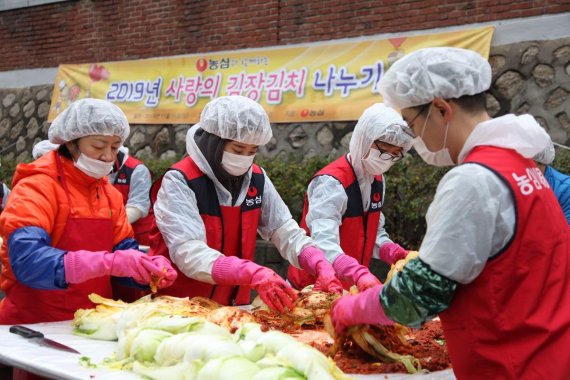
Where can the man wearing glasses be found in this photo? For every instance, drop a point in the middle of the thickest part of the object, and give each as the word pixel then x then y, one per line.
pixel 343 204
pixel 495 260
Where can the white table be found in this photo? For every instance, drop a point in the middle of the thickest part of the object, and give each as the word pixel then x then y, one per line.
pixel 18 352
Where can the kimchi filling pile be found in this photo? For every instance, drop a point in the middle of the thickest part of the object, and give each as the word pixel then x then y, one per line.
pixel 426 344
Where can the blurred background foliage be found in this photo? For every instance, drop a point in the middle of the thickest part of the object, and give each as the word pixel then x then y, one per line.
pixel 410 187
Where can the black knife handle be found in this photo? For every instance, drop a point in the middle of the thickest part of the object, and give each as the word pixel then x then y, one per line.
pixel 26 332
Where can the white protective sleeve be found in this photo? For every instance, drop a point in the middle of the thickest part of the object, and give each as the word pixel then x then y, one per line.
pixel 471 218
pixel 133 214
pixel 5 198
pixel 179 221
pixel 139 192
pixel 277 225
pixel 327 204
pixel 382 237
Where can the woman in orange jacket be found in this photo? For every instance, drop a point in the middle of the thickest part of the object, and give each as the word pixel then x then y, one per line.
pixel 65 228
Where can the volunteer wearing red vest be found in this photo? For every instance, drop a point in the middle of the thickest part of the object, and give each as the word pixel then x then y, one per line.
pixel 65 229
pixel 212 204
pixel 343 204
pixel 132 178
pixel 494 263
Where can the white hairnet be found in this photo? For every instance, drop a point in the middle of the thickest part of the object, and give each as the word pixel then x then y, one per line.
pixel 547 155
pixel 425 74
pixel 237 118
pixel 42 148
pixel 89 117
pixel 378 122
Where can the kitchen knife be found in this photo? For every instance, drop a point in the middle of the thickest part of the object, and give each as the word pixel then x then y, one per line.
pixel 38 338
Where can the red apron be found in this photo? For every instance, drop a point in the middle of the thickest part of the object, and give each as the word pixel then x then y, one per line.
pixel 27 305
pixel 358 230
pixel 231 230
pixel 512 321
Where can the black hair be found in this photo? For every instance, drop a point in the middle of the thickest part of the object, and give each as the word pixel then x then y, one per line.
pixel 472 104
pixel 63 150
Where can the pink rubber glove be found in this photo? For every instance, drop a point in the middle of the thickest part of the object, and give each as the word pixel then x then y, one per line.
pixel 349 270
pixel 273 290
pixel 361 308
pixel 392 252
pixel 161 265
pixel 81 266
pixel 313 261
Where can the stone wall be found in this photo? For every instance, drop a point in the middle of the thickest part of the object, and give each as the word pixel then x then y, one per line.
pixel 530 77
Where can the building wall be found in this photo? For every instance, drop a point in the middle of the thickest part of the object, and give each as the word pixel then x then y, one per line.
pixel 110 30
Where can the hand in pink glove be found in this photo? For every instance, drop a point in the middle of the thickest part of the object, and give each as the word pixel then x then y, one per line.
pixel 362 308
pixel 313 261
pixel 392 252
pixel 160 267
pixel 81 266
pixel 349 270
pixel 273 290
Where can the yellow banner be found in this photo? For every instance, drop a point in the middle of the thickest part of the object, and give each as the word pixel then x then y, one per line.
pixel 318 82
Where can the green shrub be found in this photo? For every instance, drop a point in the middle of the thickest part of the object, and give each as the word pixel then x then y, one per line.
pixel 410 187
pixel 7 171
pixel 562 160
pixel 158 166
pixel 291 179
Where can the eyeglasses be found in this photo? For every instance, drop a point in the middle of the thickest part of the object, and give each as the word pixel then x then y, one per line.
pixel 389 156
pixel 409 129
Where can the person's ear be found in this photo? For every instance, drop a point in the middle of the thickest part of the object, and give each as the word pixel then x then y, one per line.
pixel 443 109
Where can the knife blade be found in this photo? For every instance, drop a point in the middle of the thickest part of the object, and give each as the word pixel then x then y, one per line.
pixel 39 338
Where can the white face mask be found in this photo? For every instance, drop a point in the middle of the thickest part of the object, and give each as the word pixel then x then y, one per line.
pixel 93 168
pixel 236 164
pixel 374 164
pixel 438 158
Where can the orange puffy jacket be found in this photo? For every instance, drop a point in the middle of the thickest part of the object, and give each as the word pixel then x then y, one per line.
pixel 38 199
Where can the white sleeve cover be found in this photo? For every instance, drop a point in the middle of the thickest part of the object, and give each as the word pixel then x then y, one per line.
pixel 133 214
pixel 139 192
pixel 181 226
pixel 327 205
pixel 382 237
pixel 276 224
pixel 5 198
pixel 471 218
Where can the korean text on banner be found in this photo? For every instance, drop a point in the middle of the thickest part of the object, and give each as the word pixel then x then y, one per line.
pixel 329 81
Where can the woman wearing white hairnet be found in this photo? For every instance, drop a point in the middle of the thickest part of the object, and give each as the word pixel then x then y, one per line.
pixel 65 229
pixel 344 201
pixel 212 204
pixel 495 259
pixel 559 182
pixel 132 178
